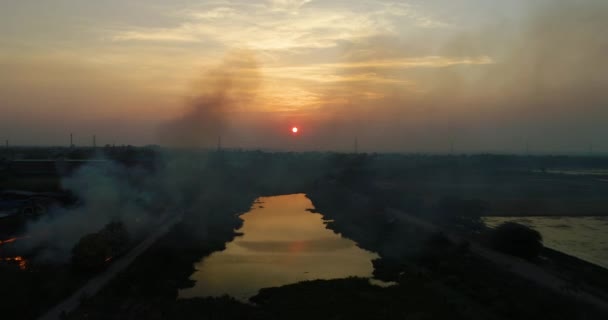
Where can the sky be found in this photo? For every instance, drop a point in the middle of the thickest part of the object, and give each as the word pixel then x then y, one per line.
pixel 399 76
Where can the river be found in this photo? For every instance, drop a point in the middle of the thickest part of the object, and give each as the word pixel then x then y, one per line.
pixel 282 242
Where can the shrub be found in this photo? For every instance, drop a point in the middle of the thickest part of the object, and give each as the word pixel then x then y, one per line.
pixel 517 239
pixel 91 252
pixel 94 250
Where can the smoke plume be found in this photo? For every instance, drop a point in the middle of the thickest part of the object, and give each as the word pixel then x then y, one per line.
pixel 219 97
pixel 541 80
pixel 106 191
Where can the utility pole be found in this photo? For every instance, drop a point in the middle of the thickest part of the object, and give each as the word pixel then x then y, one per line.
pixel 94 142
pixel 8 151
pixel 71 140
pixel 219 143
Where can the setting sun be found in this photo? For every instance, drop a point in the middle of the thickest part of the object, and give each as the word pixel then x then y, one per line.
pixel 294 129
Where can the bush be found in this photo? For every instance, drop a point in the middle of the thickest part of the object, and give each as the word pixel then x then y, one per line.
pixel 116 235
pixel 95 250
pixel 516 239
pixel 91 252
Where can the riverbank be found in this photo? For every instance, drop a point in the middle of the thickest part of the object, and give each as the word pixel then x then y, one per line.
pixel 452 266
pixel 353 193
pixel 581 237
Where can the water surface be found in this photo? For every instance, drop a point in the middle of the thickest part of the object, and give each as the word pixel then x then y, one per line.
pixel 583 237
pixel 282 243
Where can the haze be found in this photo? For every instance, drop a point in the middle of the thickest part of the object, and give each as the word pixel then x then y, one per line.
pixel 405 76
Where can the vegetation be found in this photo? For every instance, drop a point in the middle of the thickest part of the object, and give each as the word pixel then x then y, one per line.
pixel 95 250
pixel 437 277
pixel 518 240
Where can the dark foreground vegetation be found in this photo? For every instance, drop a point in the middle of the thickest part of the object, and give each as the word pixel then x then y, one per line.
pixel 518 240
pixel 435 277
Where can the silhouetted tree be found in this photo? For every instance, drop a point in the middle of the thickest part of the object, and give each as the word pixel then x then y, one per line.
pixel 94 250
pixel 91 252
pixel 516 239
pixel 116 235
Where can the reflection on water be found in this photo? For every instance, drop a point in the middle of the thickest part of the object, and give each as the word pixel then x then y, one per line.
pixel 282 243
pixel 582 237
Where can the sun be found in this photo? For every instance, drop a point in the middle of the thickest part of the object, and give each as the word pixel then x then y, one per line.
pixel 294 129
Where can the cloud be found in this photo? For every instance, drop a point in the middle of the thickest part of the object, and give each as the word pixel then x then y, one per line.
pixel 326 72
pixel 282 24
pixel 414 13
pixel 212 14
pixel 486 75
pixel 288 5
pixel 162 35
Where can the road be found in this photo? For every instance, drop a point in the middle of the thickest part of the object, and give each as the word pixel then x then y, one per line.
pixel 509 263
pixel 98 282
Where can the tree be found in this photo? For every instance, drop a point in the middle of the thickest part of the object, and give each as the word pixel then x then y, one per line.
pixel 517 239
pixel 91 252
pixel 116 235
pixel 94 250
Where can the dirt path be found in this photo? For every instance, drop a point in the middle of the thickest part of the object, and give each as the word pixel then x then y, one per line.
pixel 98 282
pixel 512 264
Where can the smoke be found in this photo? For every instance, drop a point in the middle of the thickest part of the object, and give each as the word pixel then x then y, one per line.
pixel 220 96
pixel 181 181
pixel 107 191
pixel 140 198
pixel 546 82
pixel 543 82
pixel 536 78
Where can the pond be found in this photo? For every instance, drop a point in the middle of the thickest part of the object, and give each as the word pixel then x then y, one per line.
pixel 583 237
pixel 282 242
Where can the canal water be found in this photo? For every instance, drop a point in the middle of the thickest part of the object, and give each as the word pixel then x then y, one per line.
pixel 583 237
pixel 282 242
